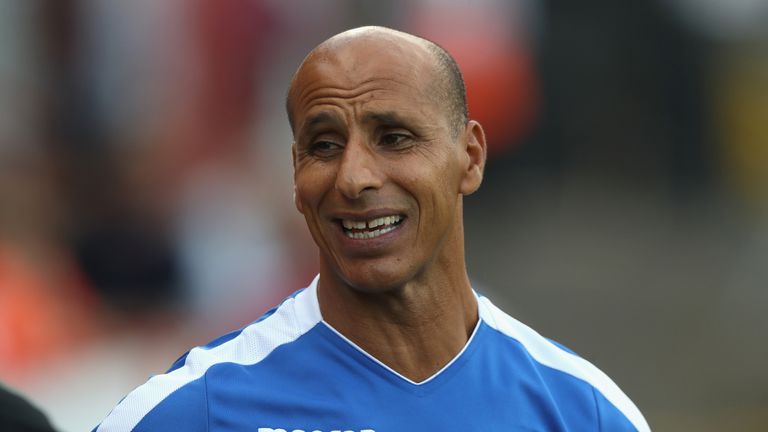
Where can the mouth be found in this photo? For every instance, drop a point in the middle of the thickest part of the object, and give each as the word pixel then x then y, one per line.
pixel 372 228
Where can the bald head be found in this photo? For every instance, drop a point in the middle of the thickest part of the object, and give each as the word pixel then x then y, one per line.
pixel 446 83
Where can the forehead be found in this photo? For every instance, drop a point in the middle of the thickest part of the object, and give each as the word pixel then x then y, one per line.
pixel 390 74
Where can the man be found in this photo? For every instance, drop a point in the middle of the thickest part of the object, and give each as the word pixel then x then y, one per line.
pixel 390 337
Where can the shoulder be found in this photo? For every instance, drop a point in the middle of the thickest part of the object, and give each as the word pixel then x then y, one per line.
pixel 177 399
pixel 567 368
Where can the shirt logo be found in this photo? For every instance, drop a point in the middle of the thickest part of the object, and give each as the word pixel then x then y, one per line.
pixel 263 429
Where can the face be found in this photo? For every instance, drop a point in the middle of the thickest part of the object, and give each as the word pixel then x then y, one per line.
pixel 379 175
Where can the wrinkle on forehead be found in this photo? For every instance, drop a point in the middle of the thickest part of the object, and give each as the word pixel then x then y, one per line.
pixel 316 91
pixel 373 98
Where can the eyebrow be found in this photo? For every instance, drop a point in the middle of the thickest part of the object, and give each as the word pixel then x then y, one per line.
pixel 388 118
pixel 319 119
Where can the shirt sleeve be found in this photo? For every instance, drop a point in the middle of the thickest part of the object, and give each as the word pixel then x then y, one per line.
pixel 185 409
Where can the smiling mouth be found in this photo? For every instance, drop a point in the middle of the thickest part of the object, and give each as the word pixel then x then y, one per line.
pixel 372 228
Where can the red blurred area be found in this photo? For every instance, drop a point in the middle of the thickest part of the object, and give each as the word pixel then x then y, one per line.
pixel 497 64
pixel 45 312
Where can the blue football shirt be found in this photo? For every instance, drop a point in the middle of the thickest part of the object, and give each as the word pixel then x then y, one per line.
pixel 291 372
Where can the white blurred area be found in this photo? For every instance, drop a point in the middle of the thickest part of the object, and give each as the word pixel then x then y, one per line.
pixel 146 186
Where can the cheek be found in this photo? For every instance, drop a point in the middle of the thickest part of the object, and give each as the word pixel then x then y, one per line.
pixel 440 188
pixel 305 194
pixel 310 185
pixel 433 190
pixel 304 199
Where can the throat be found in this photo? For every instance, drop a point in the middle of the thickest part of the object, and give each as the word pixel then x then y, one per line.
pixel 417 361
pixel 414 330
pixel 414 346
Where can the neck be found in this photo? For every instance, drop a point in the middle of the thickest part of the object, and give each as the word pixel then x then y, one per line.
pixel 416 328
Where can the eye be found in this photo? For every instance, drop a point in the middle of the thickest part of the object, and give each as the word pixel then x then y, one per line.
pixel 324 148
pixel 395 140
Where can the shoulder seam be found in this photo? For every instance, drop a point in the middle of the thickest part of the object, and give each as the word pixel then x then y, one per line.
pixel 597 409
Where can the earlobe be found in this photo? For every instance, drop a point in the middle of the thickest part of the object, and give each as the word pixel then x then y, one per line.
pixel 476 154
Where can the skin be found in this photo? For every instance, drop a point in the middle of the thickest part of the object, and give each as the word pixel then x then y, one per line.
pixel 370 139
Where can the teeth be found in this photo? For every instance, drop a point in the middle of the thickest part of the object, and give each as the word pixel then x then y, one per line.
pixel 368 234
pixel 349 224
pixel 384 225
pixel 380 221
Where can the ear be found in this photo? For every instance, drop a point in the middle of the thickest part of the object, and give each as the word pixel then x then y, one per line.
pixel 296 200
pixel 476 152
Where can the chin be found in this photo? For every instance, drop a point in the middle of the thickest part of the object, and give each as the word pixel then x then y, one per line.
pixel 373 280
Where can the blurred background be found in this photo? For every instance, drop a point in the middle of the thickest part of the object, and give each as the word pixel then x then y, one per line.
pixel 145 186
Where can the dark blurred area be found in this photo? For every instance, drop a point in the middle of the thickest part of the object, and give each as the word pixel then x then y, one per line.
pixel 145 186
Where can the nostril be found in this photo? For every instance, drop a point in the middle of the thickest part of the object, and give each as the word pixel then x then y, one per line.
pixel 352 183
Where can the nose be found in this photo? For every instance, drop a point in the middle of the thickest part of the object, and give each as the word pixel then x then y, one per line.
pixel 358 170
